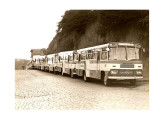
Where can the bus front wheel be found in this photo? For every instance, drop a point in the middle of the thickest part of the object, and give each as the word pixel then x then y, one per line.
pixel 71 73
pixel 106 80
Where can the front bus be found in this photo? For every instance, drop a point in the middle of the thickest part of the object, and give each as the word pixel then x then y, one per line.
pixel 124 62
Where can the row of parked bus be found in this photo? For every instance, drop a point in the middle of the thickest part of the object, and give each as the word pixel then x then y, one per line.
pixel 115 61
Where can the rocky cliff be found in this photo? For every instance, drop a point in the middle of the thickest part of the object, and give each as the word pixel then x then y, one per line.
pixel 84 28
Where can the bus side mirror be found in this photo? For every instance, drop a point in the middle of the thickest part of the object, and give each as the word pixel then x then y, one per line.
pixel 107 49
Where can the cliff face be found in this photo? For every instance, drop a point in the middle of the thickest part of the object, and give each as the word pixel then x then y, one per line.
pixel 84 28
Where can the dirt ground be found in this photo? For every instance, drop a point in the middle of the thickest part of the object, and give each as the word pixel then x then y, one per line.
pixel 35 90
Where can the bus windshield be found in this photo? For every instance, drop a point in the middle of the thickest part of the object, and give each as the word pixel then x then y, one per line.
pixel 123 53
pixel 133 53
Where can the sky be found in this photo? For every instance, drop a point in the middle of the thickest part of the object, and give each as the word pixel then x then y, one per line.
pixel 35 24
pixel 32 24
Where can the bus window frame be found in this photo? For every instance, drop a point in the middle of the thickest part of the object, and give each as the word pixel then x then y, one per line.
pixel 66 58
pixel 93 55
pixel 59 58
pixel 69 56
pixel 96 55
pixel 88 56
pixel 56 60
pixel 81 55
pixel 77 57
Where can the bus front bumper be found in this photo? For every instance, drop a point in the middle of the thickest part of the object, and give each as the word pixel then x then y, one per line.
pixel 125 77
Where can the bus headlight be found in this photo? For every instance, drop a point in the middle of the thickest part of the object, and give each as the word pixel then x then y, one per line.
pixel 139 72
pixel 114 72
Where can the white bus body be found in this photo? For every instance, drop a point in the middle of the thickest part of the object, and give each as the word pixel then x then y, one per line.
pixel 66 64
pixel 108 62
pixel 49 62
pixel 113 61
pixel 38 61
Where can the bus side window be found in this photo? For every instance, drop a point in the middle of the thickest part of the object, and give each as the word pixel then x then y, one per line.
pixel 82 56
pixel 104 55
pixel 90 56
pixel 66 57
pixel 75 57
pixel 95 55
pixel 56 58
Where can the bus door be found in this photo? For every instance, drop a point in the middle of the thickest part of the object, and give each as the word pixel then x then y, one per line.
pixel 92 64
pixel 80 64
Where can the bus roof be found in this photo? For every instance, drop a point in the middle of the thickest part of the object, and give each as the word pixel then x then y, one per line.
pixel 93 48
pixel 50 55
pixel 38 56
pixel 131 44
pixel 65 53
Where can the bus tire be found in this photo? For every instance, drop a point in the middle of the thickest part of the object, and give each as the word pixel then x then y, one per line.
pixel 106 80
pixel 86 79
pixel 133 82
pixel 54 70
pixel 71 73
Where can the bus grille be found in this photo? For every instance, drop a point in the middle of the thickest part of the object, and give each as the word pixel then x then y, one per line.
pixel 126 72
pixel 126 66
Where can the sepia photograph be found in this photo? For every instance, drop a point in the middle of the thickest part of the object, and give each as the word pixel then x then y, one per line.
pixel 97 60
pixel 82 59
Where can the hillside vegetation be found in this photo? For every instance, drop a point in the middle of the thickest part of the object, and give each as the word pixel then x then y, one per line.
pixel 84 28
pixel 19 63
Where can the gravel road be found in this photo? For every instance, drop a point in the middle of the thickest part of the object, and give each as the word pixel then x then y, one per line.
pixel 36 90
